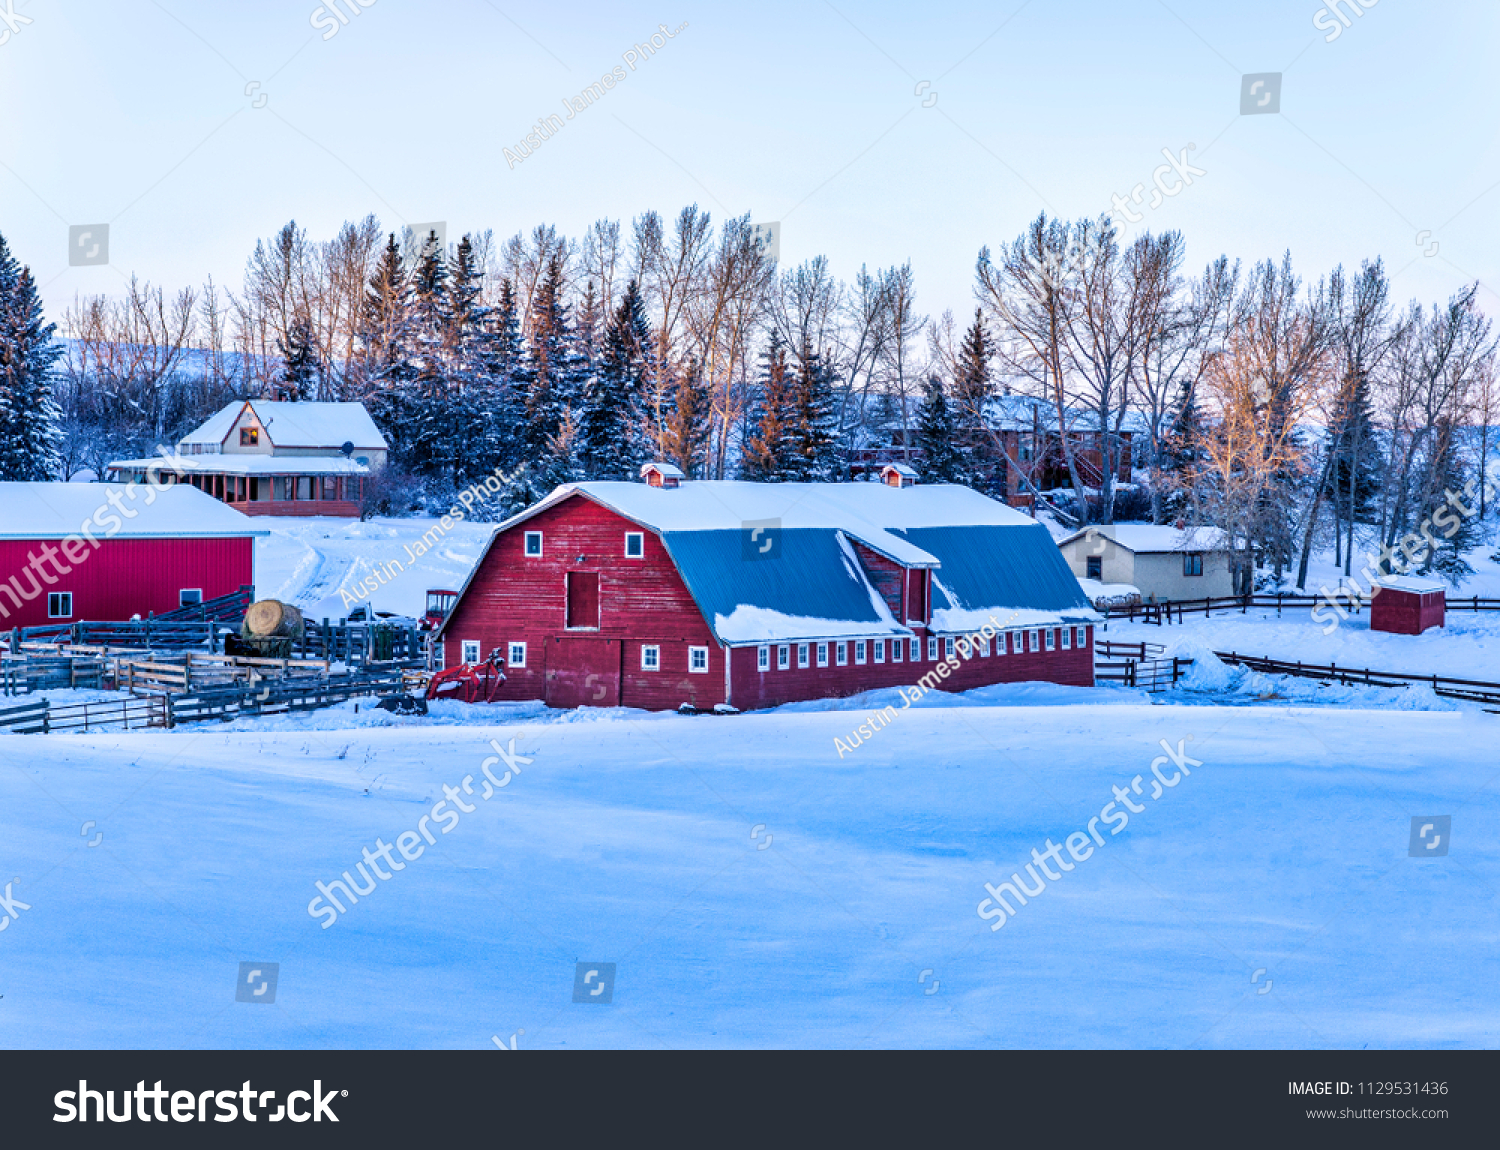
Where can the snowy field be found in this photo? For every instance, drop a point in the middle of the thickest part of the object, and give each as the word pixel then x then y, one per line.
pixel 753 888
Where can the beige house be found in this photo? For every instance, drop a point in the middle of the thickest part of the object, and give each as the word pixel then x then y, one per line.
pixel 1164 563
pixel 276 458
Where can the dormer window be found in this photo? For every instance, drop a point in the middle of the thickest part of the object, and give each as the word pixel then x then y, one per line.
pixel 249 437
pixel 661 475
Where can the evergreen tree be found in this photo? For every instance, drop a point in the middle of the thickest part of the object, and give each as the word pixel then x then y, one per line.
pixel 686 440
pixel 299 376
pixel 1181 451
pixel 609 442
pixel 555 383
pixel 942 461
pixel 1450 474
pixel 506 382
pixel 1354 477
pixel 813 454
pixel 30 421
pixel 766 454
pixel 388 367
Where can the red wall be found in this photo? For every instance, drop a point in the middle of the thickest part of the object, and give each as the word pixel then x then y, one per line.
pixel 124 577
pixel 754 688
pixel 1405 612
pixel 516 598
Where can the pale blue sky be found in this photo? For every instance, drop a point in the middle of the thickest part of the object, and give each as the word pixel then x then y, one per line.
pixel 807 113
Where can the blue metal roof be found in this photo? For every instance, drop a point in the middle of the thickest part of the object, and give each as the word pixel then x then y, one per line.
pixel 987 566
pixel 806 574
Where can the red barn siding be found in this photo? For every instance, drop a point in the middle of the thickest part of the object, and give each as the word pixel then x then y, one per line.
pixel 887 576
pixel 126 577
pixel 753 688
pixel 516 598
pixel 1406 612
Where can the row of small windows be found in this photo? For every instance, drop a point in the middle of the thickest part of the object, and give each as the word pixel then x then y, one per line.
pixel 60 603
pixel 1192 564
pixel 650 656
pixel 876 650
pixel 635 545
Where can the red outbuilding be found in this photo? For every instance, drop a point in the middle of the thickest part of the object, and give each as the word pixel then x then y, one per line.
pixel 670 591
pixel 1407 605
pixel 73 552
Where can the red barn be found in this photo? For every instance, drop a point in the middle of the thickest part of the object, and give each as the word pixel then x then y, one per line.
pixel 756 594
pixel 1407 605
pixel 71 552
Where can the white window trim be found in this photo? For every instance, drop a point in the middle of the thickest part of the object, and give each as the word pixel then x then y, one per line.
pixel 984 646
pixel 465 647
pixel 763 658
pixel 692 653
pixel 932 648
pixel 861 652
pixel 802 654
pixel 654 651
pixel 638 535
pixel 1050 638
pixel 878 654
pixel 916 650
pixel 898 650
pixel 526 545
pixel 1033 641
pixel 841 653
pixel 784 657
pixel 822 654
pixel 510 654
pixel 198 591
pixel 948 647
pixel 66 598
pixel 1067 638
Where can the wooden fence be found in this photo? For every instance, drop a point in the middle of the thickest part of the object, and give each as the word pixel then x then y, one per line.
pixel 1159 613
pixel 29 673
pixel 1154 675
pixel 227 703
pixel 41 717
pixel 1142 650
pixel 1471 690
pixel 180 674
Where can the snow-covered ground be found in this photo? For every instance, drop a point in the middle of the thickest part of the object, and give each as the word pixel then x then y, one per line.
pixel 307 561
pixel 754 888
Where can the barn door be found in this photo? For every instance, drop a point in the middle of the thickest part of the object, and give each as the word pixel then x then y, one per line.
pixel 583 600
pixel 583 672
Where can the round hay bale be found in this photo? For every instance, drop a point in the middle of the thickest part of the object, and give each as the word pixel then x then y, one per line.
pixel 271 617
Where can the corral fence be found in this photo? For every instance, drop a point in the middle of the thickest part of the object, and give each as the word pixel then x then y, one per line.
pixel 1153 675
pixel 180 674
pixel 1159 613
pixel 1470 690
pixel 26 674
pixel 1110 649
pixel 38 716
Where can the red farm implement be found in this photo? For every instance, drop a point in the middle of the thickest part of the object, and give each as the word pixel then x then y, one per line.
pixel 470 682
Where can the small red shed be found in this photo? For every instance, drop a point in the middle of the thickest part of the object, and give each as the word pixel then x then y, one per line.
pixel 1407 605
pixel 73 552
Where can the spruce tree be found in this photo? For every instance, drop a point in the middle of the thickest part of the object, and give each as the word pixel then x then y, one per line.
pixel 1181 451
pixel 813 454
pixel 765 456
pixel 609 440
pixel 942 461
pixel 299 376
pixel 555 383
pixel 30 421
pixel 388 352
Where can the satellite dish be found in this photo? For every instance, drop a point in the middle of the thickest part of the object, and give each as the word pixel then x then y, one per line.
pixel 347 448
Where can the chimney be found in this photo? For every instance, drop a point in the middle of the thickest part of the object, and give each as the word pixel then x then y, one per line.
pixel 898 475
pixel 661 475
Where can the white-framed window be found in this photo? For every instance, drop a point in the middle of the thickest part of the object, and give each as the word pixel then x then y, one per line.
pixel 1051 634
pixel 948 647
pixel 1067 638
pixel 984 646
pixel 879 650
pixel 517 655
pixel 635 545
pixel 59 604
pixel 469 650
pixel 916 650
pixel 841 654
pixel 932 648
pixel 898 650
pixel 822 654
pixel 190 596
pixel 698 660
pixel 651 658
pixel 1001 647
pixel 763 659
pixel 1085 636
pixel 859 652
pixel 783 656
pixel 533 544
pixel 802 654
pixel 1033 641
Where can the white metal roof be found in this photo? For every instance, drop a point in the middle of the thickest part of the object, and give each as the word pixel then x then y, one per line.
pixel 55 510
pixel 1414 584
pixel 247 465
pixel 327 425
pixel 1145 538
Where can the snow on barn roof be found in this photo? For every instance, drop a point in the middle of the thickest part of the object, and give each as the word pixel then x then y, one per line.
pixel 327 425
pixel 1146 539
pixel 811 583
pixel 56 510
pixel 1412 584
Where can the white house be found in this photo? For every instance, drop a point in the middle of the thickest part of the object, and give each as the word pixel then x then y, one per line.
pixel 275 458
pixel 1165 563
